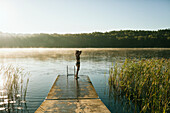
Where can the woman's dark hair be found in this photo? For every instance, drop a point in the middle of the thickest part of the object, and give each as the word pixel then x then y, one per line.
pixel 78 52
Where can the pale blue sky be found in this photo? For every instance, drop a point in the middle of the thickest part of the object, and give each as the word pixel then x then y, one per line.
pixel 81 16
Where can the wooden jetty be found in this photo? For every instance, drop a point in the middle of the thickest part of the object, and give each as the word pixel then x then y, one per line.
pixel 72 96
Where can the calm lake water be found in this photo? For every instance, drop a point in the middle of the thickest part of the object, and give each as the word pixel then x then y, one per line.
pixel 45 64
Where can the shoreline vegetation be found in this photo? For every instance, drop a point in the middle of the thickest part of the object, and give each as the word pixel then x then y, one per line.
pixel 13 88
pixel 111 39
pixel 145 82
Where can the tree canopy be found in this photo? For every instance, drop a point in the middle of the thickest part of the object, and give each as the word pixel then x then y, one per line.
pixel 111 39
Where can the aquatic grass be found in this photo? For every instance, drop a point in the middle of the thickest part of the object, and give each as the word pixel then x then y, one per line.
pixel 15 82
pixel 145 82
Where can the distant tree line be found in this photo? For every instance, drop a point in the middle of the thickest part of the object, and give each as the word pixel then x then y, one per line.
pixel 112 39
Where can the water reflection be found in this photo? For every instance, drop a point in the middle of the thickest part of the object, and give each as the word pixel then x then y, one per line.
pixel 45 64
pixel 120 100
pixel 13 89
pixel 12 103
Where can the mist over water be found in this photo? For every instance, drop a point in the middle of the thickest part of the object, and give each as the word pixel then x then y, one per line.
pixel 44 64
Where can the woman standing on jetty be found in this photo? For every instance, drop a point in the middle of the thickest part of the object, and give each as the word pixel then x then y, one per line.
pixel 78 53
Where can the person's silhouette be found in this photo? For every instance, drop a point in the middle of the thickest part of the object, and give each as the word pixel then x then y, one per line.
pixel 77 62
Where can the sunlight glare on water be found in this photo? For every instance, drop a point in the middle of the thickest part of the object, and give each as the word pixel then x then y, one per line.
pixel 1 81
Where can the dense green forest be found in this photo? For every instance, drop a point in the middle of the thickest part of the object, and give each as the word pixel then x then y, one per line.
pixel 115 39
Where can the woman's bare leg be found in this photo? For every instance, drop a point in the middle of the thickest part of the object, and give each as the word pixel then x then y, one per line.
pixel 78 67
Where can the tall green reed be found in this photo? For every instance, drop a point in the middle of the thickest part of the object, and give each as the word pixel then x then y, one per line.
pixel 145 82
pixel 14 88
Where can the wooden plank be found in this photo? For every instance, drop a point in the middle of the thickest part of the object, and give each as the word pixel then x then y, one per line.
pixel 69 88
pixel 73 106
pixel 73 96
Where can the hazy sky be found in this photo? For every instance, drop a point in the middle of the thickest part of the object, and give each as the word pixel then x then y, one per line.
pixel 76 16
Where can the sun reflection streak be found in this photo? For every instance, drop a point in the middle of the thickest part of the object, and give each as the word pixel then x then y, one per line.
pixel 1 81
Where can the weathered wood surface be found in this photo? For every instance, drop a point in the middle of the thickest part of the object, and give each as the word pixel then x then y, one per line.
pixel 72 96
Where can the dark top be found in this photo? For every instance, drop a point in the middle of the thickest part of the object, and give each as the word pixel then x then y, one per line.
pixel 78 57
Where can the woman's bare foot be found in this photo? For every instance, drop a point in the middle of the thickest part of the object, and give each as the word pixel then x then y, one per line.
pixel 76 78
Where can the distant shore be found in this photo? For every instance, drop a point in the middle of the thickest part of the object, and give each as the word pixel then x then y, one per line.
pixel 112 39
pixel 41 48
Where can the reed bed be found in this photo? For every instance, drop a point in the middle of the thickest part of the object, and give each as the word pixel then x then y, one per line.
pixel 13 89
pixel 145 82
